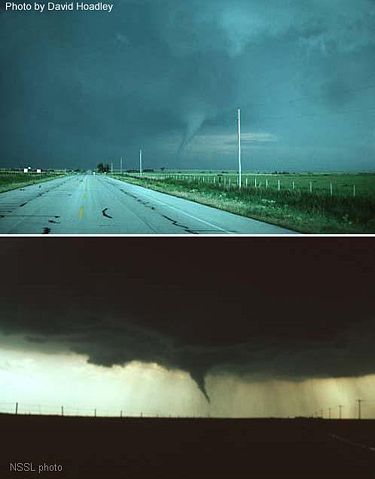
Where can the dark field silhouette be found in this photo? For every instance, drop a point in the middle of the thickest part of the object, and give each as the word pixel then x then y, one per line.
pixel 142 448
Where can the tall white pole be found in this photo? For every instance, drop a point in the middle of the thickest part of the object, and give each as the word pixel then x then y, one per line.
pixel 239 150
pixel 140 163
pixel 359 401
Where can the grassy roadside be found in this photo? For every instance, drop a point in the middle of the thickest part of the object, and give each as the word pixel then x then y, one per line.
pixel 18 180
pixel 300 211
pixel 335 184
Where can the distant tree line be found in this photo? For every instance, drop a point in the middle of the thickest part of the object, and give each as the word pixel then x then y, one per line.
pixel 103 168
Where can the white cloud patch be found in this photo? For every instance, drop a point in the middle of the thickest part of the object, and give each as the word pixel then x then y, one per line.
pixel 226 142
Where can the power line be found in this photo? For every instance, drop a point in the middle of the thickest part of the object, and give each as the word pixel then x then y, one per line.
pixel 140 163
pixel 239 150
pixel 359 401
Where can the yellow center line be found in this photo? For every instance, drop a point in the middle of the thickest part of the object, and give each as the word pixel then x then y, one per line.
pixel 84 196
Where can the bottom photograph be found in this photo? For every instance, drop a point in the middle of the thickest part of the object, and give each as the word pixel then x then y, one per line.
pixel 192 358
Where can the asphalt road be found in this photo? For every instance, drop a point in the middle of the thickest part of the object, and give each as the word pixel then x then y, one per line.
pixel 95 204
pixel 138 448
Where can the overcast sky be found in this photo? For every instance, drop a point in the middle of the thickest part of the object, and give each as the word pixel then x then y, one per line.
pixel 168 76
pixel 282 312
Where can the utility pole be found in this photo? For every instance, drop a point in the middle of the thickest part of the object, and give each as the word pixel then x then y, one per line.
pixel 140 163
pixel 121 165
pixel 340 411
pixel 359 401
pixel 16 407
pixel 239 150
pixel 112 167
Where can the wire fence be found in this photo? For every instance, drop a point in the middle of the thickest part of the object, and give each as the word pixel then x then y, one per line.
pixel 313 184
pixel 25 408
pixel 359 409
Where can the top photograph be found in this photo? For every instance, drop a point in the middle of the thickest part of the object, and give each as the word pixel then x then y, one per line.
pixel 187 117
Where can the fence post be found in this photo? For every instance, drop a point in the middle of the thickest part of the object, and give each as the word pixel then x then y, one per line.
pixel 331 189
pixel 294 185
pixel 266 183
pixel 354 191
pixel 278 185
pixel 311 188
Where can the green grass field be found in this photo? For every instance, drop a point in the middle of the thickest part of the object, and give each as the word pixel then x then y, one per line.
pixel 14 180
pixel 360 184
pixel 308 203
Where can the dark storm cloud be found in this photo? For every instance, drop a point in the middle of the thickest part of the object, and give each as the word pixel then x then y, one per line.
pixel 273 308
pixel 82 88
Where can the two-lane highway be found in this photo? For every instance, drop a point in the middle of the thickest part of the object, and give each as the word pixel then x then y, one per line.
pixel 96 204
